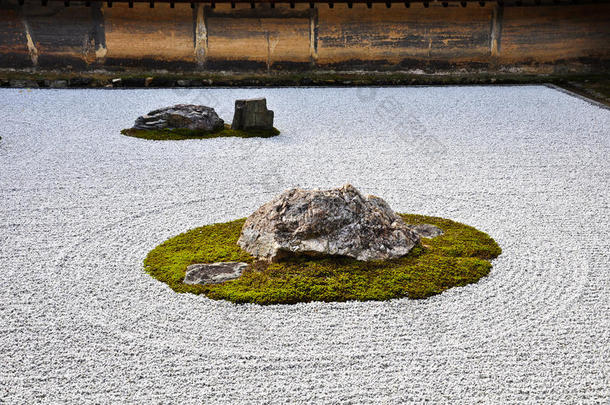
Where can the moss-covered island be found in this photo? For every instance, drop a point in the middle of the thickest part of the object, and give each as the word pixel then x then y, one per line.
pixel 182 133
pixel 458 257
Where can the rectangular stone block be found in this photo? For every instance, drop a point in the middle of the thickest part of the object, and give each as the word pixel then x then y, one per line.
pixel 252 114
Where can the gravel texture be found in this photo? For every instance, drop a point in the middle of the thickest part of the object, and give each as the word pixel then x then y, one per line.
pixel 81 205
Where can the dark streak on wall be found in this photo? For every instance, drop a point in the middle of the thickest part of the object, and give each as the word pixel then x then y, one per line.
pixel 496 31
pixel 195 11
pixel 314 35
pixel 98 33
pixel 262 11
pixel 175 65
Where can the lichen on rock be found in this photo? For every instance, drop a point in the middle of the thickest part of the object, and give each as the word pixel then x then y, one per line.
pixel 181 116
pixel 211 273
pixel 337 222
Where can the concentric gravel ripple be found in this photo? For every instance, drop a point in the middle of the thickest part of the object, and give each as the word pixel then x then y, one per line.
pixel 81 206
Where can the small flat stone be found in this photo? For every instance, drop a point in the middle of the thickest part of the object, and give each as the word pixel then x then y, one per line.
pixel 427 230
pixel 213 273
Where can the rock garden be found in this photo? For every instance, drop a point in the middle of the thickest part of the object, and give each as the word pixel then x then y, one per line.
pixel 140 271
pixel 308 245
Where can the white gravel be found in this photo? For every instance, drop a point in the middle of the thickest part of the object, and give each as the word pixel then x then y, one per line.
pixel 81 205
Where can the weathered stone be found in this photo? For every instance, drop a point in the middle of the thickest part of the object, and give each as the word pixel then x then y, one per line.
pixel 56 84
pixel 252 114
pixel 326 222
pixel 195 117
pixel 23 83
pixel 427 230
pixel 81 82
pixel 212 273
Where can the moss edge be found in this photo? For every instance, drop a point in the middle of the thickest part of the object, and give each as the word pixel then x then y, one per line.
pixel 458 257
pixel 181 133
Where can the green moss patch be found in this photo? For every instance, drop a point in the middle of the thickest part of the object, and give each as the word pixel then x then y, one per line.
pixel 181 133
pixel 458 257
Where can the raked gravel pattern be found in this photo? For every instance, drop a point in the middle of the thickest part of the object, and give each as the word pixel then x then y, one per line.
pixel 81 205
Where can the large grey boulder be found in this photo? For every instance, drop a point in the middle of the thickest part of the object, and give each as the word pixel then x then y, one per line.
pixel 212 273
pixel 252 114
pixel 188 116
pixel 326 222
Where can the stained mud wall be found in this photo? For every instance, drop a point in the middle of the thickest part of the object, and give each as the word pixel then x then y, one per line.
pixel 543 39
